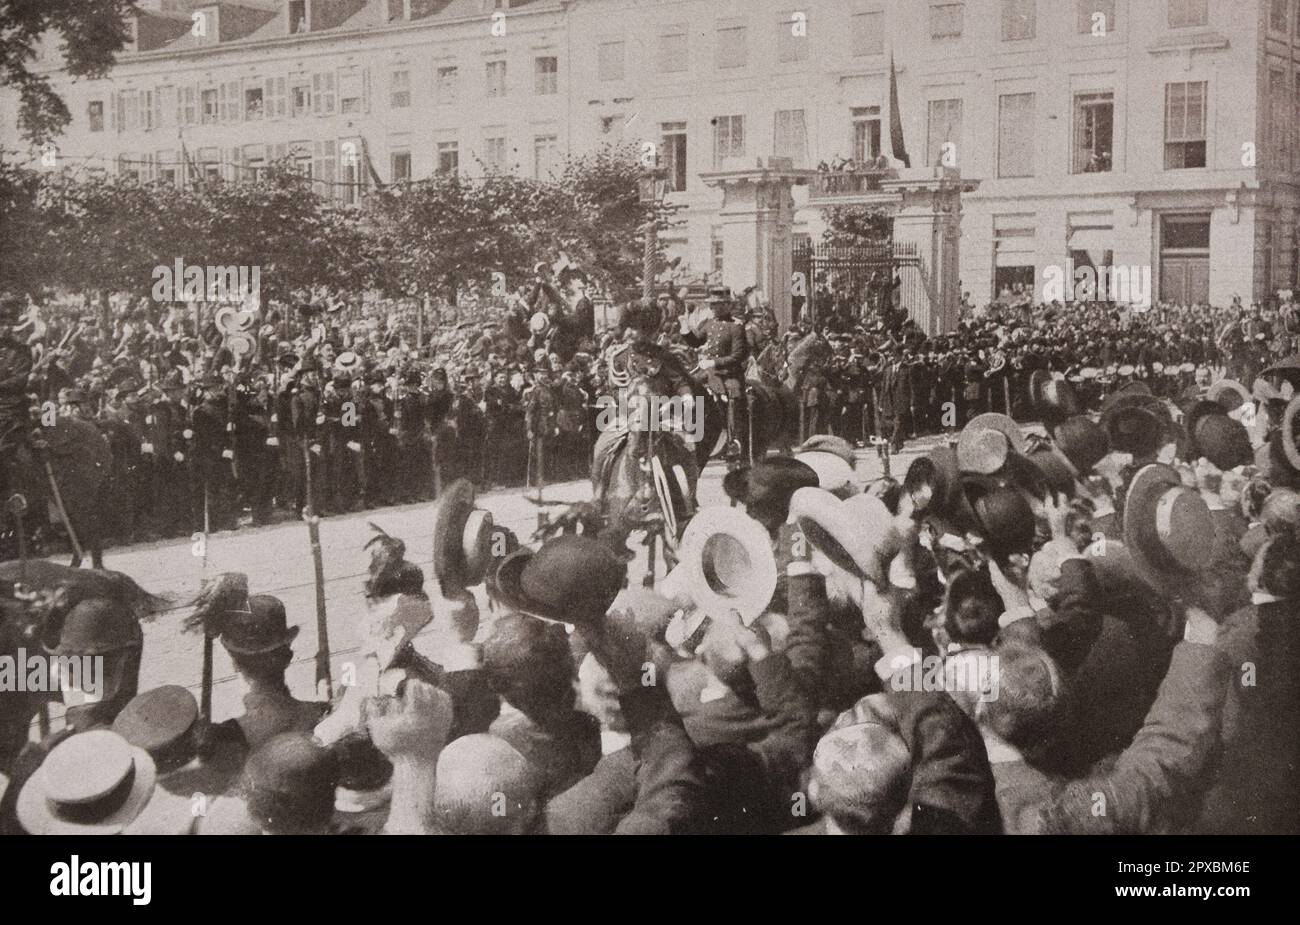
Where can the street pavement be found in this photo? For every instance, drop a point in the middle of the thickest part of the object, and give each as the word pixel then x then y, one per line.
pixel 277 559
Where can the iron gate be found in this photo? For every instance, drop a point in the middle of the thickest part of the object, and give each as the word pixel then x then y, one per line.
pixel 859 280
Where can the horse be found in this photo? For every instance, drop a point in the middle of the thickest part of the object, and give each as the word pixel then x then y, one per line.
pixel 34 597
pixel 81 460
pixel 772 421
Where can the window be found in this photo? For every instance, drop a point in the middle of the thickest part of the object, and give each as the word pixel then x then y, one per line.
pixel 1094 133
pixel 209 103
pixel 547 74
pixel 1098 15
pixel 673 45
pixel 253 97
pixel 95 114
pixel 352 90
pixel 791 136
pixel 867 34
pixel 148 118
pixel 1184 13
pixel 186 109
pixel 275 97
pixel 254 158
pixel 399 166
pixel 731 51
pixel 866 134
pixel 1279 16
pixel 167 167
pixel 674 154
pixel 944 129
pixel 792 37
pixel 496 79
pixel 447 86
pixel 299 100
pixel 946 20
pixel 1185 125
pixel 448 156
pixel 210 163
pixel 322 93
pixel 351 171
pixel 1016 135
pixel 1279 133
pixel 300 157
pixel 298 21
pixel 399 90
pixel 609 60
pixel 1018 20
pixel 545 151
pixel 728 139
pixel 494 152
pixel 324 165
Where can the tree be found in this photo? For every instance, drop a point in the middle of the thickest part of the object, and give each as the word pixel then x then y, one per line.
pixel 853 226
pixel 91 34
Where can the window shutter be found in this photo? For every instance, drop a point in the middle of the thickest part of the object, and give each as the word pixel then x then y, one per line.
pixel 116 122
pixel 365 89
pixel 323 169
pixel 329 92
pixel 317 94
pixel 233 164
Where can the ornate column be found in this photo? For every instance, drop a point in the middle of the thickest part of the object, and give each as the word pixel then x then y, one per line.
pixel 757 216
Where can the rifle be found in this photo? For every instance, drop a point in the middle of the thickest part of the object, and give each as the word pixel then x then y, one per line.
pixel 318 567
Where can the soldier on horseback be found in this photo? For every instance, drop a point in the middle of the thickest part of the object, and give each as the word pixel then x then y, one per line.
pixel 724 351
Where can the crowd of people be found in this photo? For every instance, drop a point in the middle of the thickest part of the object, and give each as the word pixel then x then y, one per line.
pixel 1089 629
pixel 362 406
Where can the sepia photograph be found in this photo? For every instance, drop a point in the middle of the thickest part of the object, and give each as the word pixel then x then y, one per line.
pixel 661 417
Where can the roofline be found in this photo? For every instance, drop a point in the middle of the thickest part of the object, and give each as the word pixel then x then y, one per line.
pixel 430 22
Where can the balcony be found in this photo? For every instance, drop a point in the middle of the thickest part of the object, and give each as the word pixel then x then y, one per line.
pixel 845 184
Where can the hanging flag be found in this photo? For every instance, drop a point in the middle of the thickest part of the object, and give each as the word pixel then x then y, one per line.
pixel 896 141
pixel 370 166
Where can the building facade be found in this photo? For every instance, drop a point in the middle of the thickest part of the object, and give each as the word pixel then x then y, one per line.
pixel 1156 134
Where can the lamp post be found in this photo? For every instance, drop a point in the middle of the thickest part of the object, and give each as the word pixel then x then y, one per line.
pixel 651 188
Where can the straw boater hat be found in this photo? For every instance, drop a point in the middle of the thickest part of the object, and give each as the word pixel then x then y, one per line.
pixel 348 364
pixel 729 563
pixel 1166 529
pixel 986 441
pixel 1288 437
pixel 539 323
pixel 830 457
pixel 93 783
pixel 1229 393
pixel 462 536
pixel 857 535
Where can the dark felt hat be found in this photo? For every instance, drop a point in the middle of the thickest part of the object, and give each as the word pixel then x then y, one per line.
pixel 462 536
pixel 263 627
pixel 159 721
pixel 571 579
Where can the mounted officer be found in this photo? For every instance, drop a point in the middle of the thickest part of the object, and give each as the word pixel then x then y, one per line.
pixel 724 351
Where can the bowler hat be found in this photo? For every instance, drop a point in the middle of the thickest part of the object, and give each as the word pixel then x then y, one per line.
pixel 1167 527
pixel 263 627
pixel 1135 430
pixel 1082 441
pixel 570 579
pixel 981 453
pixel 1223 441
pixel 462 536
pixel 766 487
pixel 289 783
pixel 92 783
pixel 1006 521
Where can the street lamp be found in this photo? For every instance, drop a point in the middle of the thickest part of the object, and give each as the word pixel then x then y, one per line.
pixel 652 186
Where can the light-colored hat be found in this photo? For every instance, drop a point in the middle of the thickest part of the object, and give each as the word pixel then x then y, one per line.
pixel 93 783
pixel 729 563
pixel 857 535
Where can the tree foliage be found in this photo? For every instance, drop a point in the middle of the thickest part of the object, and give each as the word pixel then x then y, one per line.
pixel 849 226
pixel 90 33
